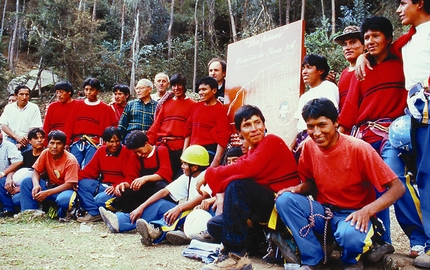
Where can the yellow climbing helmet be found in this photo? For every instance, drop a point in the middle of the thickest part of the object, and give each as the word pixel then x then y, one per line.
pixel 196 155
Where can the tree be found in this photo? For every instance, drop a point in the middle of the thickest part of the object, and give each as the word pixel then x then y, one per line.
pixel 169 35
pixel 233 24
pixel 196 45
pixel 13 44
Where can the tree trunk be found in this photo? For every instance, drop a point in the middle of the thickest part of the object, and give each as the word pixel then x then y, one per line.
pixel 322 10
pixel 211 25
pixel 39 73
pixel 169 31
pixel 287 12
pixel 121 42
pixel 333 17
pixel 134 50
pixel 95 11
pixel 245 11
pixel 196 44
pixel 302 16
pixel 2 19
pixel 233 25
pixel 280 12
pixel 13 41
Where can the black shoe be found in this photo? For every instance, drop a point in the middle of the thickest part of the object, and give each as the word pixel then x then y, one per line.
pixel 7 213
pixel 287 252
pixel 377 253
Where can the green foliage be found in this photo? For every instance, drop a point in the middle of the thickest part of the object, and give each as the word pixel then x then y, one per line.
pixel 63 37
pixel 321 42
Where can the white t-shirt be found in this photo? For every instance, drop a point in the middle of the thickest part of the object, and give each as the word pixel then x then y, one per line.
pixel 179 188
pixel 325 89
pixel 416 56
pixel 21 120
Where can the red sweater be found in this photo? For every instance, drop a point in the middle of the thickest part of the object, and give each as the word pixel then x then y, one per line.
pixel 344 85
pixel 271 164
pixel 90 120
pixel 381 95
pixel 118 110
pixel 160 165
pixel 208 125
pixel 111 167
pixel 171 122
pixel 57 117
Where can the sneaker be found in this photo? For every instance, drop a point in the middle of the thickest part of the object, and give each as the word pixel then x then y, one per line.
pixel 378 252
pixel 110 219
pixel 286 251
pixel 177 238
pixel 230 261
pixel 7 213
pixel 203 236
pixel 148 232
pixel 423 260
pixel 416 251
pixel 89 218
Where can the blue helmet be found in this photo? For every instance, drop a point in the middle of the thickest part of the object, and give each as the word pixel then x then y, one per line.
pixel 400 133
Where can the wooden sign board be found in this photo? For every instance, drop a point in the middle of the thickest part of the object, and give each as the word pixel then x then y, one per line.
pixel 265 71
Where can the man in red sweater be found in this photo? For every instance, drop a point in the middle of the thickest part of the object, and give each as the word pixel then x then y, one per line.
pixel 169 124
pixel 89 117
pixel 208 124
pixel 249 185
pixel 58 113
pixel 98 180
pixel 372 105
pixel 352 47
pixel 147 172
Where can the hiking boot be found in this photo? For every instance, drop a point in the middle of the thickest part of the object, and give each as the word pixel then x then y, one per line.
pixel 230 261
pixel 273 256
pixel 286 251
pixel 69 217
pixel 110 219
pixel 378 252
pixel 89 218
pixel 148 232
pixel 416 251
pixel 357 266
pixel 423 260
pixel 177 238
pixel 203 236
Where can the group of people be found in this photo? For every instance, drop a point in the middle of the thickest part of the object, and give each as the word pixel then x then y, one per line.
pixel 349 164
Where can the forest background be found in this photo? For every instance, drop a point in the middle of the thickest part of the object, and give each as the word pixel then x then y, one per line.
pixel 121 41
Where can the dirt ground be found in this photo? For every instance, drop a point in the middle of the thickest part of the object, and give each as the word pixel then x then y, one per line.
pixel 41 243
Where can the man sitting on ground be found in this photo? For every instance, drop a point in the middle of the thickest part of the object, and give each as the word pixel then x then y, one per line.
pixel 343 172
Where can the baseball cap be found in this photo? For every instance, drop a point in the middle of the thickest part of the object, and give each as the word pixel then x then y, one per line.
pixel 349 32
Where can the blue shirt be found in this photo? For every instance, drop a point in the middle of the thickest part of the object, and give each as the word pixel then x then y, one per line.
pixel 137 116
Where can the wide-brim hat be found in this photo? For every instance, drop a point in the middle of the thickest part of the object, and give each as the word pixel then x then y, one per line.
pixel 348 33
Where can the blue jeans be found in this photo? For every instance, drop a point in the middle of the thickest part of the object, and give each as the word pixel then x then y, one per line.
pixel 86 190
pixel 243 200
pixel 294 210
pixel 64 199
pixel 9 202
pixel 423 177
pixel 83 152
pixel 153 212
pixel 15 142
